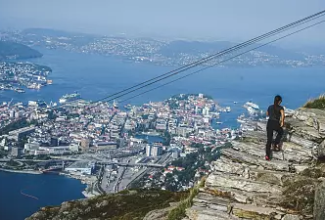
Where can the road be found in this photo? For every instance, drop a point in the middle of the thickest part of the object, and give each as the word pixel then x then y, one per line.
pixel 98 162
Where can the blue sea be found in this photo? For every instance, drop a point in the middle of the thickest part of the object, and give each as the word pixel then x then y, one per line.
pixel 95 77
pixel 23 194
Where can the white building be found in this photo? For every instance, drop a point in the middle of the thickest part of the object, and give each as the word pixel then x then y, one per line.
pixel 156 151
pixel 148 150
pixel 81 168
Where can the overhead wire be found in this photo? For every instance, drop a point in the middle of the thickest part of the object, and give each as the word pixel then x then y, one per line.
pixel 211 57
pixel 223 61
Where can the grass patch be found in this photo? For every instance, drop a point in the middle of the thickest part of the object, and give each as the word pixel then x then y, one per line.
pixel 298 194
pixel 127 205
pixel 179 212
pixel 318 103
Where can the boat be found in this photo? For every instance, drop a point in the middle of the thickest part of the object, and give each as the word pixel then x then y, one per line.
pixel 241 119
pixel 34 86
pixel 32 103
pixel 128 106
pixel 69 97
pixel 251 104
pixel 49 82
pixel 19 90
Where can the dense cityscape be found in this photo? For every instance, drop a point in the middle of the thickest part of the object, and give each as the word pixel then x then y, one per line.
pixel 155 145
pixel 18 76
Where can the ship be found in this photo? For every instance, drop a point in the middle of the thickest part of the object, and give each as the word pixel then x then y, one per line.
pixel 69 97
pixel 34 86
pixel 128 106
pixel 241 119
pixel 19 90
pixel 252 108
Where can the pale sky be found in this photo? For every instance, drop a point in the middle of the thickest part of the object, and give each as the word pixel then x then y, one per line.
pixel 217 19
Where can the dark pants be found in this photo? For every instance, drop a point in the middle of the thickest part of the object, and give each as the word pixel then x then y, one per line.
pixel 270 128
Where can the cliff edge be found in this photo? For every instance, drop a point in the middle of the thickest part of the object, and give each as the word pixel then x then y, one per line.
pixel 245 186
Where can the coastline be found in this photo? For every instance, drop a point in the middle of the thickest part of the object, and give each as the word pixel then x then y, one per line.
pixel 88 181
pixel 21 171
pixel 84 180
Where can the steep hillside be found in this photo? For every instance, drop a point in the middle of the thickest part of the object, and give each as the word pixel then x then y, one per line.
pixel 11 50
pixel 126 205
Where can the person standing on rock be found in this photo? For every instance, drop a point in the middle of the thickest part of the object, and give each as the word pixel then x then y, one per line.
pixel 274 123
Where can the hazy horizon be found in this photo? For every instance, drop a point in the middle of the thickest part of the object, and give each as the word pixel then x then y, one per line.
pixel 211 19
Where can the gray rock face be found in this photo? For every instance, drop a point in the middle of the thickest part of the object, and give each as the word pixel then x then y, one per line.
pixel 291 217
pixel 159 214
pixel 321 150
pixel 243 185
pixel 319 206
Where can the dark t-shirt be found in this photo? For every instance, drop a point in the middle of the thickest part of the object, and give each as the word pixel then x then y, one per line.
pixel 274 112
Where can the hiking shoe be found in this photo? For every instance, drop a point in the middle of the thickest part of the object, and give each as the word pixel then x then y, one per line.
pixel 267 158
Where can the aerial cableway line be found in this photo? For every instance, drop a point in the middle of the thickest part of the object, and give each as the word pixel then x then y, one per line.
pixel 211 57
pixel 223 61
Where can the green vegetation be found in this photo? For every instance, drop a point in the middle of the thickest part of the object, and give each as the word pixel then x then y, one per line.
pixel 318 103
pixel 16 125
pixel 72 115
pixel 179 212
pixel 9 50
pixel 298 194
pixel 52 115
pixel 12 163
pixel 167 138
pixel 192 162
pixel 126 205
pixel 3 153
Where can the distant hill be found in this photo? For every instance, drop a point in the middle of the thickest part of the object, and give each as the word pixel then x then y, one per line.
pixel 195 47
pixel 79 39
pixel 11 50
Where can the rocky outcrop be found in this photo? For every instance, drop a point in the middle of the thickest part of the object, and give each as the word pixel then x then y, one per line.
pixel 243 185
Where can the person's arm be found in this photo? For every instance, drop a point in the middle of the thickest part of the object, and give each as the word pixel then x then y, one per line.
pixel 267 111
pixel 282 117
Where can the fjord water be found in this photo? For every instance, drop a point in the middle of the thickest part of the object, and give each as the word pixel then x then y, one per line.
pixel 23 194
pixel 95 76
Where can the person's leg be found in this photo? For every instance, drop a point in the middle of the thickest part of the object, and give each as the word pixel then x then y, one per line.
pixel 278 137
pixel 269 132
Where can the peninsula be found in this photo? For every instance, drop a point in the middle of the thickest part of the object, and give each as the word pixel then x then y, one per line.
pixel 13 51
pixel 239 185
